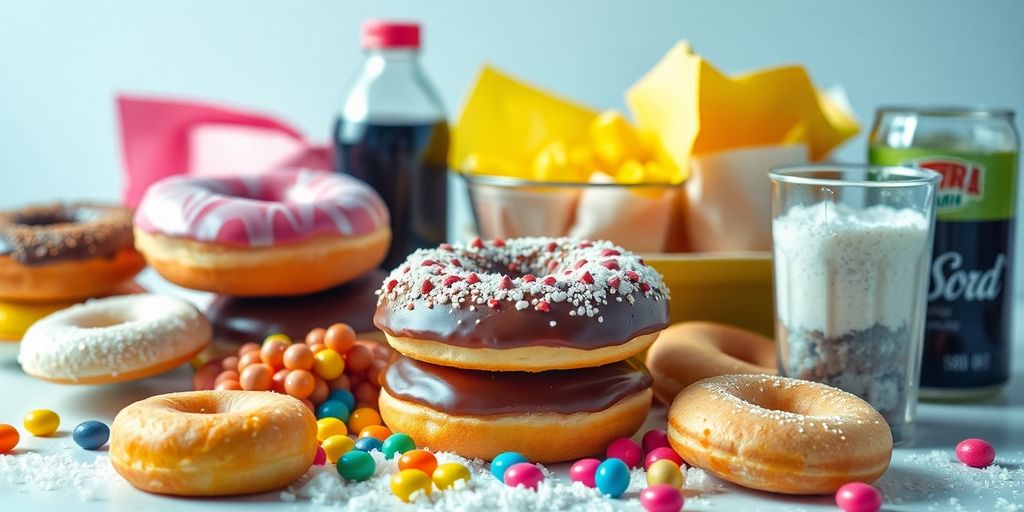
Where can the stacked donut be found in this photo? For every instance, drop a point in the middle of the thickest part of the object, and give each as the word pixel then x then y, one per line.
pixel 521 345
pixel 287 251
pixel 56 255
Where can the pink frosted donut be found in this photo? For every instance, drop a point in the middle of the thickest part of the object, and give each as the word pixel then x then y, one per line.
pixel 286 232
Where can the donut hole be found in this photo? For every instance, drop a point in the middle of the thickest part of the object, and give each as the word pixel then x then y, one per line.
pixel 104 319
pixel 51 217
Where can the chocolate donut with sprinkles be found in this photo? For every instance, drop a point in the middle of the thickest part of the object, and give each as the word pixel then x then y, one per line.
pixel 526 304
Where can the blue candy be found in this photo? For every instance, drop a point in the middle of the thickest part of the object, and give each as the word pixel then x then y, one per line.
pixel 91 435
pixel 612 477
pixel 503 461
pixel 344 396
pixel 397 444
pixel 368 444
pixel 333 409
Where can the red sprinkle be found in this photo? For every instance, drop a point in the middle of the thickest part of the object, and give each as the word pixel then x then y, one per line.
pixel 552 246
pixel 513 267
pixel 585 245
pixel 427 286
pixel 644 287
pixel 529 278
pixel 542 306
pixel 427 263
pixel 450 280
pixel 632 276
pixel 610 252
pixel 614 283
pixel 641 260
pixel 498 242
pixel 406 269
pixel 472 278
pixel 477 243
pixel 552 265
pixel 445 246
pixel 587 278
pixel 550 280
pixel 580 263
pixel 506 283
pixel 392 284
pixel 610 264
pixel 493 303
pixel 456 262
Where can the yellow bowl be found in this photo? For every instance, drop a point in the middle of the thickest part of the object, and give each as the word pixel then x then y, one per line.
pixel 730 288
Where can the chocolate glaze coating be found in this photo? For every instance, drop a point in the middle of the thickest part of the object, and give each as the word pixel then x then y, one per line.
pixel 242 320
pixel 37 235
pixel 481 393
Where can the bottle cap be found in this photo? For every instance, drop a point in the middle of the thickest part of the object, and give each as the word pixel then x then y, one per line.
pixel 390 34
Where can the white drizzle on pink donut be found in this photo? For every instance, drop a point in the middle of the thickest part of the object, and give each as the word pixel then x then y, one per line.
pixel 236 210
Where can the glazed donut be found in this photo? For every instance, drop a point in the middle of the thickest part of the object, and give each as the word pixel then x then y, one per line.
pixel 687 352
pixel 285 232
pixel 213 443
pixel 65 252
pixel 17 317
pixel 527 304
pixel 548 416
pixel 779 434
pixel 114 340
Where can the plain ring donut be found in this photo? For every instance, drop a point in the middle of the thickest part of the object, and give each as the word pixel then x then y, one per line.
pixel 114 339
pixel 213 443
pixel 690 351
pixel 779 434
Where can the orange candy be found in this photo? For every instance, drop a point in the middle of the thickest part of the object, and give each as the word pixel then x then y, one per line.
pixel 248 359
pixel 272 353
pixel 228 385
pixel 418 459
pixel 277 381
pixel 248 347
pixel 376 431
pixel 363 417
pixel 358 359
pixel 340 338
pixel 320 391
pixel 341 382
pixel 299 383
pixel 226 375
pixel 317 348
pixel 206 377
pixel 230 364
pixel 315 336
pixel 298 357
pixel 9 438
pixel 256 377
pixel 365 392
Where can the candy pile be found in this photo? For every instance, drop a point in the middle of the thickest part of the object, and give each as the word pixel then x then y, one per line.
pixel 333 373
pixel 90 435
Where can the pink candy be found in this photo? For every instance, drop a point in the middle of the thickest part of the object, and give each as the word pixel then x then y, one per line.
pixel 858 497
pixel 626 450
pixel 976 453
pixel 321 457
pixel 663 452
pixel 524 474
pixel 583 471
pixel 654 439
pixel 661 498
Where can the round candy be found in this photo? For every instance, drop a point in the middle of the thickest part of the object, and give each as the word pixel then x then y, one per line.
pixel 9 438
pixel 858 497
pixel 298 357
pixel 225 376
pixel 256 377
pixel 447 474
pixel 205 378
pixel 340 338
pixel 283 338
pixel 358 358
pixel 228 385
pixel 41 422
pixel 229 363
pixel 363 417
pixel 663 452
pixel 315 336
pixel 320 458
pixel 368 444
pixel 327 427
pixel 503 461
pixel 583 471
pixel 612 477
pixel 976 453
pixel 356 466
pixel 272 353
pixel 524 474
pixel 336 446
pixel 248 359
pixel 299 383
pixel 344 396
pixel 408 482
pixel 626 450
pixel 248 347
pixel 91 435
pixel 397 444
pixel 333 409
pixel 328 364
pixel 655 438
pixel 661 498
pixel 278 380
pixel 418 459
pixel 379 431
pixel 320 391
pixel 665 471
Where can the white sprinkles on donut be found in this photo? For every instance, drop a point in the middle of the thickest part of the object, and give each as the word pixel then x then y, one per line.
pixel 521 273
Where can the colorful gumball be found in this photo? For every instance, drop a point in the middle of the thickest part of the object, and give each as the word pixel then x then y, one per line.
pixel 298 357
pixel 583 471
pixel 336 446
pixel 661 453
pixel 228 385
pixel 858 497
pixel 356 466
pixel 283 338
pixel 503 461
pixel 363 417
pixel 315 336
pixel 344 396
pixel 248 359
pixel 368 444
pixel 9 438
pixel 408 482
pixel 446 475
pixel 397 444
pixel 41 422
pixel 418 459
pixel 523 474
pixel 91 435
pixel 626 450
pixel 320 391
pixel 358 358
pixel 328 364
pixel 340 338
pixel 278 380
pixel 655 438
pixel 327 427
pixel 379 431
pixel 256 377
pixel 661 498
pixel 976 453
pixel 248 347
pixel 320 458
pixel 665 471
pixel 299 383
pixel 612 477
pixel 225 375
pixel 333 409
pixel 272 353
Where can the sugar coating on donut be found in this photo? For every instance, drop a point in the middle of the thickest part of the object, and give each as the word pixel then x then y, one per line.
pixel 522 273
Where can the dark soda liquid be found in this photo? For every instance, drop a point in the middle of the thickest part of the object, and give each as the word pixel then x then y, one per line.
pixel 407 164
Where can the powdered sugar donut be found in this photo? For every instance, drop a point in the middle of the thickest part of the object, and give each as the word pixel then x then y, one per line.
pixel 286 232
pixel 526 304
pixel 114 339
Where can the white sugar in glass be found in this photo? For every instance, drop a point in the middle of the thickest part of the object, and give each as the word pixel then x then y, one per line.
pixel 852 247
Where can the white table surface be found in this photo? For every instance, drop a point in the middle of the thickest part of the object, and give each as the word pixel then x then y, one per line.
pixel 912 483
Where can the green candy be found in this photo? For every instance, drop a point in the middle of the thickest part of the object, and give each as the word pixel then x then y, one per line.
pixel 397 444
pixel 356 466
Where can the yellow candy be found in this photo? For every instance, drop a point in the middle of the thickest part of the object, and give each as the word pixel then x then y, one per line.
pixel 614 139
pixel 407 482
pixel 665 471
pixel 363 417
pixel 447 474
pixel 41 422
pixel 336 446
pixel 489 165
pixel 328 364
pixel 279 337
pixel 16 317
pixel 552 163
pixel 327 427
pixel 631 171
